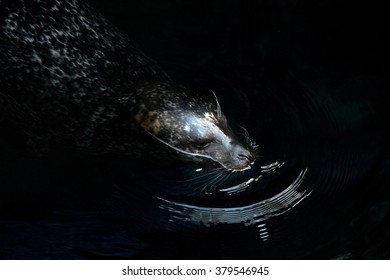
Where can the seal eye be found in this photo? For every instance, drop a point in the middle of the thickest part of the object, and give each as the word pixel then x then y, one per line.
pixel 202 144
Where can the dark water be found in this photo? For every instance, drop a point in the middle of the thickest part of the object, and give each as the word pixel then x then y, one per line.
pixel 307 79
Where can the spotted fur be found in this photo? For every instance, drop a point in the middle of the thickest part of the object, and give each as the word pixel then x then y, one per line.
pixel 67 70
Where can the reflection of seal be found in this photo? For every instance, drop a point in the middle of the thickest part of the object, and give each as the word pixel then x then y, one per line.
pixel 69 77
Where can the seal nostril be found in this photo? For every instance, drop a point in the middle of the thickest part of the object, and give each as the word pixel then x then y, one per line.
pixel 246 156
pixel 242 156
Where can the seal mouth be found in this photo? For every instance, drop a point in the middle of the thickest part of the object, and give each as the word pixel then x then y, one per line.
pixel 249 166
pixel 239 169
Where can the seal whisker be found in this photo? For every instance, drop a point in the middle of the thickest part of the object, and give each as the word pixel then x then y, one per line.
pixel 209 173
pixel 212 182
pixel 217 181
pixel 251 143
pixel 220 181
pixel 226 178
pixel 209 185
pixel 246 133
pixel 219 111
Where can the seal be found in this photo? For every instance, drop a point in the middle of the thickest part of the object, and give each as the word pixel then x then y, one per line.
pixel 69 77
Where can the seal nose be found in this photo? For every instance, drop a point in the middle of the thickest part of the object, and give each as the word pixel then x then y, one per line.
pixel 245 156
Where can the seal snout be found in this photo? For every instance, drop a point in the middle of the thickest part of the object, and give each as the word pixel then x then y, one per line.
pixel 242 157
pixel 246 156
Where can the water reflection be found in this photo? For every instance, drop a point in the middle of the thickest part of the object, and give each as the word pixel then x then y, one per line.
pixel 252 214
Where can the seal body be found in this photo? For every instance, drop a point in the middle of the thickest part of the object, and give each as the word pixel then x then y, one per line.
pixel 68 77
pixel 67 71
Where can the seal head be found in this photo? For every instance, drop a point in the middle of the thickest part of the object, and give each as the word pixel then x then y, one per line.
pixel 192 125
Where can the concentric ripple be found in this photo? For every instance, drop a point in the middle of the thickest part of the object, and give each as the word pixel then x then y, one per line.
pixel 253 214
